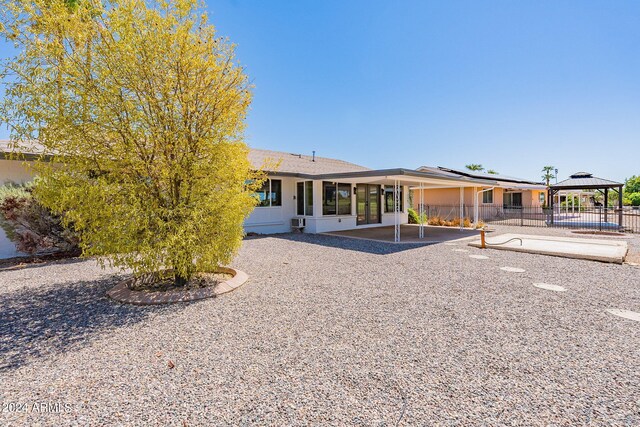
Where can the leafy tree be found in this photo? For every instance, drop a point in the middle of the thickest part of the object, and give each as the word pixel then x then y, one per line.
pixel 142 107
pixel 548 174
pixel 474 167
pixel 631 195
pixel 632 199
pixel 492 172
pixel 632 185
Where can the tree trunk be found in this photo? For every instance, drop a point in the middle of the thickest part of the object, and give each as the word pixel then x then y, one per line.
pixel 179 280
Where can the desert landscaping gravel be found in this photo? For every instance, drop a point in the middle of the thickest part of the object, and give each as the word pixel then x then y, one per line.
pixel 329 331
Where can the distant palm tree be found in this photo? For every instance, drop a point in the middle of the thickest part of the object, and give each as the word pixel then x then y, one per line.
pixel 474 167
pixel 492 172
pixel 548 174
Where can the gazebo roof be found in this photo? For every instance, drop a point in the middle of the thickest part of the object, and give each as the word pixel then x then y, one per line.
pixel 585 180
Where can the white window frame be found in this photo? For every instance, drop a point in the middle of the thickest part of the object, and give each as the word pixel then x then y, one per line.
pixel 271 201
pixel 488 192
pixel 304 198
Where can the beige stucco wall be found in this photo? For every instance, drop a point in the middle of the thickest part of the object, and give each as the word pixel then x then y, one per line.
pixel 15 171
pixel 451 196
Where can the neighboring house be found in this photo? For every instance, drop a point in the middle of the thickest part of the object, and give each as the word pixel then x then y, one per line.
pixel 506 191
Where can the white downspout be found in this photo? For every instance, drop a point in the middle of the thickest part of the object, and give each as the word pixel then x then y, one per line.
pixel 461 208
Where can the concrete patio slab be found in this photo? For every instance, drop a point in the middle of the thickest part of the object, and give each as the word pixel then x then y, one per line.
pixel 613 251
pixel 409 234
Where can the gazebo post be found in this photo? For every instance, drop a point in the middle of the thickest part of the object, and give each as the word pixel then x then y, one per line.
pixel 606 204
pixel 620 216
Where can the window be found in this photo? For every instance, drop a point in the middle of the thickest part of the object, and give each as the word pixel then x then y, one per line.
pixel 305 198
pixel 512 200
pixel 270 194
pixel 388 199
pixel 542 198
pixel 336 198
pixel 487 197
pixel 344 199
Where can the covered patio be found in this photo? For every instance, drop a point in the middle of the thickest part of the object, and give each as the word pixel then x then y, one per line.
pixel 398 179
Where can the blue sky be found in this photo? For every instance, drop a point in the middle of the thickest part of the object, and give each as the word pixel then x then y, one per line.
pixel 512 85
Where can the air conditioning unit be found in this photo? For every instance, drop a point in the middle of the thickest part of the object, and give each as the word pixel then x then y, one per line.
pixel 298 223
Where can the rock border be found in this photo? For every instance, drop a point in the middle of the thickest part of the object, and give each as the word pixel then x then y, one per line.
pixel 122 293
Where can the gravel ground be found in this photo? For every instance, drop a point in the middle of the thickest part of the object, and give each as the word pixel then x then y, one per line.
pixel 330 331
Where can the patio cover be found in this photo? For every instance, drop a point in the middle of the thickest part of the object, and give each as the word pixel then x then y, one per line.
pixel 404 177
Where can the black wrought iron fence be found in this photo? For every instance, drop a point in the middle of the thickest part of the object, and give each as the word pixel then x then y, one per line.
pixel 591 218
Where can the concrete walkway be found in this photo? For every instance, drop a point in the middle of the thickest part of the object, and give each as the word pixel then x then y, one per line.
pixel 590 249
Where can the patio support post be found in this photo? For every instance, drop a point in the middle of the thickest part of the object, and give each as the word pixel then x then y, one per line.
pixel 461 208
pixel 396 211
pixel 421 214
pixel 475 206
pixel 606 204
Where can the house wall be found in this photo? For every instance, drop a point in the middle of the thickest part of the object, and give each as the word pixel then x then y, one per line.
pixel 269 220
pixel 451 196
pixel 15 171
pixel 321 223
pixel 263 220
pixel 276 219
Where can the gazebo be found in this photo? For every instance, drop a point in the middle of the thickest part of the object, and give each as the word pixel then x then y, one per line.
pixel 586 181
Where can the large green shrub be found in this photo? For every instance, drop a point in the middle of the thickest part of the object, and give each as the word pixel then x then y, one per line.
pixel 414 218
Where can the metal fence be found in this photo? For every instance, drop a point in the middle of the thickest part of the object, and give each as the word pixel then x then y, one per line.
pixel 585 218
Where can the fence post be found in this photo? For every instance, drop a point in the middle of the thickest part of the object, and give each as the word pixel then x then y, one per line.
pixel 620 218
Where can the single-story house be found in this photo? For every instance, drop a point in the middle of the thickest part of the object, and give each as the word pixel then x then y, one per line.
pixel 325 194
pixel 319 194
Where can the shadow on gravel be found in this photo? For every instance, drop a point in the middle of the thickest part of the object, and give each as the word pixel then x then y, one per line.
pixel 30 262
pixel 347 243
pixel 62 317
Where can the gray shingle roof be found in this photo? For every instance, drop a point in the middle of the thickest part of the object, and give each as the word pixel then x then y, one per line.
pixel 29 150
pixel 585 180
pixel 299 163
pixel 288 162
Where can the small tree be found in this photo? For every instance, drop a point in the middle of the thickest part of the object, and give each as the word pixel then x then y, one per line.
pixel 474 167
pixel 632 191
pixel 492 172
pixel 548 174
pixel 142 108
